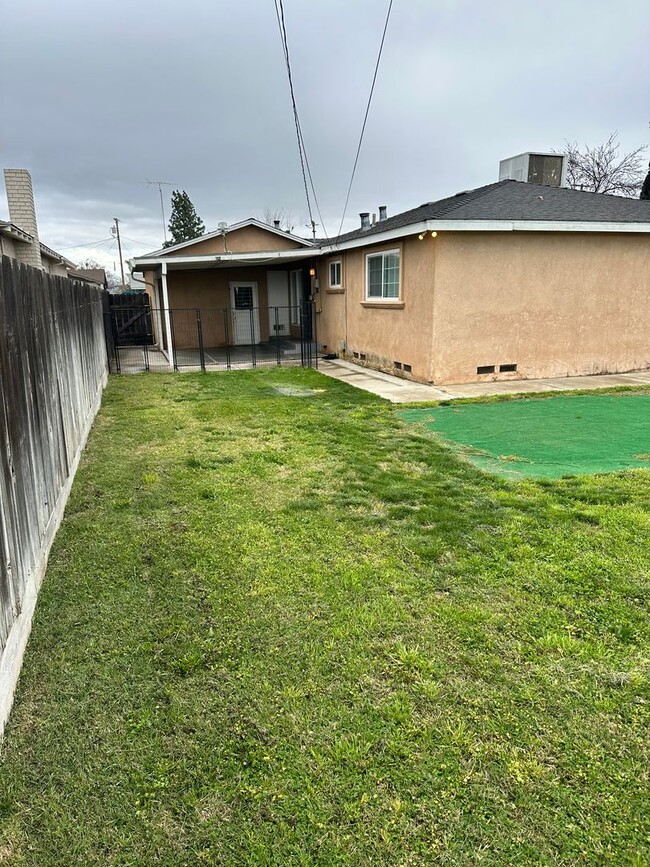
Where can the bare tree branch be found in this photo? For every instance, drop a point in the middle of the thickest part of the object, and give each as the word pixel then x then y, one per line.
pixel 284 217
pixel 600 169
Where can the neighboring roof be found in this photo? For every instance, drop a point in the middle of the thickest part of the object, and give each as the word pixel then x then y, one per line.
pixel 11 230
pixel 251 221
pixel 90 275
pixel 52 254
pixel 513 201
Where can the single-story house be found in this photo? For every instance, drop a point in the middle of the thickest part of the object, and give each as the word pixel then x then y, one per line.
pixel 512 280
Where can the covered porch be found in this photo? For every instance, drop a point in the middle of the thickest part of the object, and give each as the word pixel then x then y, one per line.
pixel 210 306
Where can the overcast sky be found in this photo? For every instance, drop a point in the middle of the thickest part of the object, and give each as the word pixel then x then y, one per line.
pixel 97 97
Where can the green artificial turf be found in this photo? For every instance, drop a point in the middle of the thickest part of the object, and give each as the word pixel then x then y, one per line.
pixel 281 627
pixel 547 438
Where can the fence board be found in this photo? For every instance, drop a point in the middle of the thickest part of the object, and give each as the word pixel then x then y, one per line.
pixel 53 367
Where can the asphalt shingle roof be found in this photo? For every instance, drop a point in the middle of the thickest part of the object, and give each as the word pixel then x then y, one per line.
pixel 516 200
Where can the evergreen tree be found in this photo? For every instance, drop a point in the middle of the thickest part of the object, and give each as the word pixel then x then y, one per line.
pixel 184 223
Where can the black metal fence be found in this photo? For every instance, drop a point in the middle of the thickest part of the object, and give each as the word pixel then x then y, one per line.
pixel 141 338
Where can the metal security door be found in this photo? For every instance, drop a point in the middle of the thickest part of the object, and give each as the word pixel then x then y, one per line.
pixel 245 314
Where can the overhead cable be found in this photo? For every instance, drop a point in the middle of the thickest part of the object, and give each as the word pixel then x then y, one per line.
pixel 365 118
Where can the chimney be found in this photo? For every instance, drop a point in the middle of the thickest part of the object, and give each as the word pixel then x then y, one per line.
pixel 276 223
pixel 20 198
pixel 382 212
pixel 365 220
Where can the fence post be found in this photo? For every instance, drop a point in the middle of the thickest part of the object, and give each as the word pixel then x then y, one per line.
pixel 277 336
pixel 199 330
pixel 314 335
pixel 226 318
pixel 253 353
pixel 173 359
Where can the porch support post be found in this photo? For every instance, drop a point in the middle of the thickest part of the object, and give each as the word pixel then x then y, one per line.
pixel 168 323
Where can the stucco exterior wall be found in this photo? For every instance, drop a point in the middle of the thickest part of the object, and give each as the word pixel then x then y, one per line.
pixel 249 239
pixel 554 304
pixel 209 290
pixel 380 333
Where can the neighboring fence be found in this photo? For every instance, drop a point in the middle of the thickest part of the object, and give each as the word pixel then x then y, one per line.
pixel 209 338
pixel 53 367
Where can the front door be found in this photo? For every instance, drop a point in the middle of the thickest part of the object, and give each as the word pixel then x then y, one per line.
pixel 245 313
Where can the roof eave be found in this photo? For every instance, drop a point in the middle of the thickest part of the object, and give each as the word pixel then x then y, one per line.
pixel 486 226
pixel 142 263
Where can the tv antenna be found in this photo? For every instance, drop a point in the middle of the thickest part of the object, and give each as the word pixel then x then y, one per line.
pixel 160 185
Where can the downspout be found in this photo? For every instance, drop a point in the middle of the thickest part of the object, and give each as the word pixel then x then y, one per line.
pixel 168 321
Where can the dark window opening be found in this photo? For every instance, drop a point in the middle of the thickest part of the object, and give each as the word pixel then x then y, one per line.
pixel 486 368
pixel 362 356
pixel 407 368
pixel 507 368
pixel 397 365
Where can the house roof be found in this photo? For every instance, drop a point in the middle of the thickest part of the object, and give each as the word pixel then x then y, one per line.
pixel 251 221
pixel 11 230
pixel 513 201
pixel 89 275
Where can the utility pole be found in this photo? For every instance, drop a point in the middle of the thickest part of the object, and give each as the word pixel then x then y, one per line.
pixel 160 185
pixel 116 232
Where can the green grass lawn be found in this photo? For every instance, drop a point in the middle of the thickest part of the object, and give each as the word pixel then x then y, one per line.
pixel 548 437
pixel 280 627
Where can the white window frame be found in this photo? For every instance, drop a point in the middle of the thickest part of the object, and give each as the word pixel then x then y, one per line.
pixel 338 262
pixel 384 299
pixel 295 295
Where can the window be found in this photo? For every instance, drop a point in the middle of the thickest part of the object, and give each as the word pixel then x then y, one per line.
pixel 382 275
pixel 295 295
pixel 335 274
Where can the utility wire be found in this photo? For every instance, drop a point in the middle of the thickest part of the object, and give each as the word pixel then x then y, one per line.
pixel 365 118
pixel 302 151
pixel 89 244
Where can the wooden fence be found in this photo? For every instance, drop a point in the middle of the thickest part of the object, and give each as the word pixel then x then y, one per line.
pixel 53 367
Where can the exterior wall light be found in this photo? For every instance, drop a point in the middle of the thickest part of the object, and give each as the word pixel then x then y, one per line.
pixel 312 272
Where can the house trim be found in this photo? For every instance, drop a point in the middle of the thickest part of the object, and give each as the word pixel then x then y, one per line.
pixel 143 263
pixel 485 226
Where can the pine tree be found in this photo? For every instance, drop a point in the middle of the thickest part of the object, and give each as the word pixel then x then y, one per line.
pixel 184 223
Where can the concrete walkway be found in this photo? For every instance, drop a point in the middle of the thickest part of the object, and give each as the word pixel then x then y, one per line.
pixel 404 391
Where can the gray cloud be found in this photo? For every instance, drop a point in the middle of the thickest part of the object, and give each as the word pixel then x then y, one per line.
pixel 96 98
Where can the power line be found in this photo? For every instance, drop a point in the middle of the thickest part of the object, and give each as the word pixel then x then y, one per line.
pixel 143 243
pixel 365 118
pixel 302 152
pixel 89 244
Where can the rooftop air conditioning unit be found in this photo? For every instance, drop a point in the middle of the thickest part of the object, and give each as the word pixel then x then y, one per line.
pixel 548 169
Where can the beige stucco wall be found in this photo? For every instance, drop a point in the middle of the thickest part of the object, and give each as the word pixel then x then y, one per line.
pixel 554 304
pixel 250 239
pixel 383 332
pixel 209 290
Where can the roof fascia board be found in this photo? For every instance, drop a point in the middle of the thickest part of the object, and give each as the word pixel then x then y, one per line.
pixel 214 258
pixel 487 226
